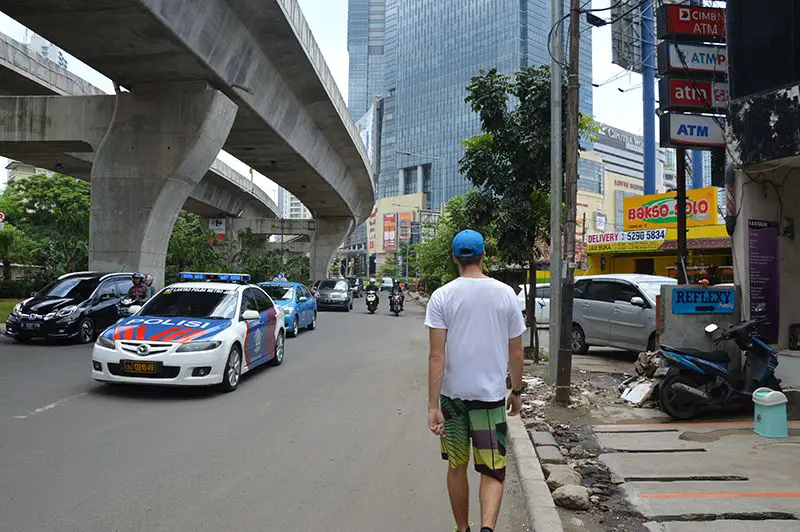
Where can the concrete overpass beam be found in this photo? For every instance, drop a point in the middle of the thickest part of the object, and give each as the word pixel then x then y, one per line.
pixel 159 144
pixel 330 233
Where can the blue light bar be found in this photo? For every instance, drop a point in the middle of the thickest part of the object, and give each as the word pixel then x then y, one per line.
pixel 241 278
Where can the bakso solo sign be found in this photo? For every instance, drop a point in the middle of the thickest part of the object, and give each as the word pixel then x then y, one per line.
pixel 660 210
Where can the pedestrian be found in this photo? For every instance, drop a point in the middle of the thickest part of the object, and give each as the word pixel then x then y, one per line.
pixel 475 329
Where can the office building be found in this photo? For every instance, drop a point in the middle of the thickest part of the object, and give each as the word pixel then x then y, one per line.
pixel 16 171
pixel 289 207
pixel 419 56
pixel 45 48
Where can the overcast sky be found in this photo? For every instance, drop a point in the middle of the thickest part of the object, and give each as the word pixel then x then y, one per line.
pixel 328 21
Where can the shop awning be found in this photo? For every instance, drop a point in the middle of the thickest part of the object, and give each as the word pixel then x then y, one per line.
pixel 698 243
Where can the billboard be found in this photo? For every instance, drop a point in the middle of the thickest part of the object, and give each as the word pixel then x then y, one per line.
pixel 679 130
pixel 691 23
pixel 217 226
pixel 406 219
pixel 626 35
pixel 693 94
pixel 660 210
pixel 390 232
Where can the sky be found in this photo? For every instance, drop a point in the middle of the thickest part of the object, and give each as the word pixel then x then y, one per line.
pixel 328 22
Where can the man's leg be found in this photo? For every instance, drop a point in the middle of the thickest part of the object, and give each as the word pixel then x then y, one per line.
pixel 455 449
pixel 489 432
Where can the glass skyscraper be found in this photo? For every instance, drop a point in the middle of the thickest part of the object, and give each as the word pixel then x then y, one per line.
pixel 429 50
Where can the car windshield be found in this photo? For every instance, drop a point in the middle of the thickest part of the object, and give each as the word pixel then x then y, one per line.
pixel 333 285
pixel 279 292
pixel 653 288
pixel 78 288
pixel 198 302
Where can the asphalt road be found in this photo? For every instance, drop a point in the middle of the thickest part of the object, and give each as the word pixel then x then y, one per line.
pixel 332 440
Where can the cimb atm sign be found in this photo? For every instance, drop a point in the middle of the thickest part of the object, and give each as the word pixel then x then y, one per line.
pixel 691 23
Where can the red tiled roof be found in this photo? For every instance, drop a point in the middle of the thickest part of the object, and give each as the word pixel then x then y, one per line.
pixel 698 243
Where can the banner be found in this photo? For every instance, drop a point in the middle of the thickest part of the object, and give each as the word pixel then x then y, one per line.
pixel 406 219
pixel 659 210
pixel 625 241
pixel 389 232
pixel 217 226
pixel 763 244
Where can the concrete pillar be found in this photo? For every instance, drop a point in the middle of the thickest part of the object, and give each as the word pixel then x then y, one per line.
pixel 161 141
pixel 401 182
pixel 330 233
pixel 420 177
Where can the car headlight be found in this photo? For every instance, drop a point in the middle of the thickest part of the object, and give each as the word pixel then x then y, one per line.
pixel 68 312
pixel 192 347
pixel 17 308
pixel 108 343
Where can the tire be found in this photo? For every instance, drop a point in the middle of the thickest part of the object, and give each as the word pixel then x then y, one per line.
pixel 313 324
pixel 685 409
pixel 233 370
pixel 578 343
pixel 277 360
pixel 371 310
pixel 86 331
pixel 295 330
pixel 651 343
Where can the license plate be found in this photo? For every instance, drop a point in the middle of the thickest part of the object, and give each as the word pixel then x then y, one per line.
pixel 134 366
pixel 31 326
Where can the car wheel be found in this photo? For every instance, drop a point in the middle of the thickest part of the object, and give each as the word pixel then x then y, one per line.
pixel 233 370
pixel 86 331
pixel 295 327
pixel 578 344
pixel 277 360
pixel 313 324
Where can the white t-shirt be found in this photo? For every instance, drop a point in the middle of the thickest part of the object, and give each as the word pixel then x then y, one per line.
pixel 481 315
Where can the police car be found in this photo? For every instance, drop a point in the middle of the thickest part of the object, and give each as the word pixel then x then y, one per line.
pixel 208 329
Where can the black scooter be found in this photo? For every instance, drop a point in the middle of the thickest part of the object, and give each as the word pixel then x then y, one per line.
pixel 689 379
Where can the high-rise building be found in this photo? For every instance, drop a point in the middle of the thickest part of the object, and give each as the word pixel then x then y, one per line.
pixel 419 56
pixel 45 48
pixel 289 207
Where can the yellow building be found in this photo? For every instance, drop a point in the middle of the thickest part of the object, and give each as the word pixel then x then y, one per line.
pixel 389 225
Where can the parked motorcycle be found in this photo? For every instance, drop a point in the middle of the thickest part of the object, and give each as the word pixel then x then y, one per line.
pixel 690 379
pixel 395 304
pixel 372 302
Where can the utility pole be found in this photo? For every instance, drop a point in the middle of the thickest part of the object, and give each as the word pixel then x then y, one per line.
pixel 564 370
pixel 556 185
pixel 680 208
pixel 648 96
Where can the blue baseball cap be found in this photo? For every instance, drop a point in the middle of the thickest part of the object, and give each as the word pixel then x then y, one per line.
pixel 468 243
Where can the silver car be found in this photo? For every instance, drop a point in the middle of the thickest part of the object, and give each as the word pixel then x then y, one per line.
pixel 617 310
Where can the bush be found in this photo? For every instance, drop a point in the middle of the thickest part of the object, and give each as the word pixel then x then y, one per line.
pixel 15 289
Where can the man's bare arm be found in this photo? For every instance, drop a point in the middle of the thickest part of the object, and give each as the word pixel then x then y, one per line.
pixel 438 338
pixel 515 362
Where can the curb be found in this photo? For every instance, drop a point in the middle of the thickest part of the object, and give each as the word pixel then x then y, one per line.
pixel 542 512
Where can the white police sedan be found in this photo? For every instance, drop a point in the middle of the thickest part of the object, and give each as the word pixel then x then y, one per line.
pixel 207 330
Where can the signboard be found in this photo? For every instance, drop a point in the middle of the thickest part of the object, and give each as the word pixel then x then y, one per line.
pixel 763 244
pixel 371 232
pixel 625 241
pixel 692 58
pixel 2 220
pixel 626 35
pixel 696 300
pixel 217 226
pixel 693 94
pixel 680 130
pixel 691 23
pixel 389 232
pixel 659 210
pixel 406 219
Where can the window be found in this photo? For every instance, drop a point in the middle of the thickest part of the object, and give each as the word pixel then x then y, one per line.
pixel 193 303
pixel 625 292
pixel 580 289
pixel 602 291
pixel 249 302
pixel 645 266
pixel 79 288
pixel 264 302
pixel 123 285
pixel 106 289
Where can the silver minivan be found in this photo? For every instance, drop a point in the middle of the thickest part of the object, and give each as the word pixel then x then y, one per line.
pixel 617 310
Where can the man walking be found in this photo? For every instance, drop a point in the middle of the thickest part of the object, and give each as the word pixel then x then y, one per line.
pixel 476 332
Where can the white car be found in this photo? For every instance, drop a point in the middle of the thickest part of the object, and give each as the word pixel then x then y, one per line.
pixel 208 331
pixel 542 302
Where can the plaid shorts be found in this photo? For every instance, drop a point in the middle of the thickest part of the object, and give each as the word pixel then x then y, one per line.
pixel 482 422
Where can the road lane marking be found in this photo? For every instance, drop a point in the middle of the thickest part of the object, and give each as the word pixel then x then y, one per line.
pixel 45 408
pixel 724 495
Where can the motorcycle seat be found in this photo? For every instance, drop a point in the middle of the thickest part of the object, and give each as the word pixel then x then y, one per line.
pixel 711 356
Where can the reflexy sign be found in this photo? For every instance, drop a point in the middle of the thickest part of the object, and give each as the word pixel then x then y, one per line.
pixel 697 300
pixel 691 23
pixel 660 210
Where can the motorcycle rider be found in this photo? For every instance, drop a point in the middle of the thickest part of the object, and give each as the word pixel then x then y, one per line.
pixel 397 289
pixel 148 281
pixel 372 286
pixel 139 292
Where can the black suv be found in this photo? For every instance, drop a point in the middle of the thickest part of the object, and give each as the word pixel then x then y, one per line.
pixel 77 305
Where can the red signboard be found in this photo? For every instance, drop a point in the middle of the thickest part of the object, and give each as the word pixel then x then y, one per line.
pixel 693 94
pixel 691 22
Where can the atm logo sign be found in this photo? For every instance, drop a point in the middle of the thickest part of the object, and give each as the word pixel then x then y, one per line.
pixel 660 210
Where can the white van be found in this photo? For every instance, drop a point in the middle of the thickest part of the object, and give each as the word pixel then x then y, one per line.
pixel 542 304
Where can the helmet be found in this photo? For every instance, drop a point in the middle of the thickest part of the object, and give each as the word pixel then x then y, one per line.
pixel 137 275
pixel 372 280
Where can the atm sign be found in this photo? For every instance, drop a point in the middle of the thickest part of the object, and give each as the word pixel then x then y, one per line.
pixel 696 94
pixel 698 23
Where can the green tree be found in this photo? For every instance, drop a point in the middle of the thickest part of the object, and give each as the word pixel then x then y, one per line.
pixel 389 266
pixel 15 247
pixel 297 268
pixel 190 248
pixel 509 164
pixel 53 211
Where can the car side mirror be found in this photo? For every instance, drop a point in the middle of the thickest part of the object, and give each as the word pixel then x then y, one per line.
pixel 637 301
pixel 133 309
pixel 712 328
pixel 302 299
pixel 250 315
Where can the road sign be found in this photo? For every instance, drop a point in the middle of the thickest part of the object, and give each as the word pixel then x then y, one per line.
pixel 679 130
pixel 691 300
pixel 2 217
pixel 692 95
pixel 691 23
pixel 705 59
